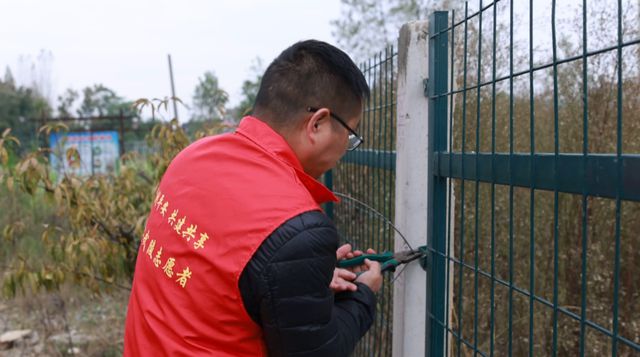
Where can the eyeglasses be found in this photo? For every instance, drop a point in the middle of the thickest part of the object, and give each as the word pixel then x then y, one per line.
pixel 354 139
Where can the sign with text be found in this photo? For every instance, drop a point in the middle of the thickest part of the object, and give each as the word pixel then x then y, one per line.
pixel 97 152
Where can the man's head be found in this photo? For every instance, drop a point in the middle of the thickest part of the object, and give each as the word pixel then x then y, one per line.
pixel 302 92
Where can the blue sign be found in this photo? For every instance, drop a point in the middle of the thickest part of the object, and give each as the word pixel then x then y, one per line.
pixel 97 153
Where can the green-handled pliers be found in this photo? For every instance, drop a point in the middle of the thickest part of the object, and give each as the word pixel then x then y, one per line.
pixel 389 260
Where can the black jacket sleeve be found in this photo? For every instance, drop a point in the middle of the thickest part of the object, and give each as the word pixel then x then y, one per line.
pixel 285 289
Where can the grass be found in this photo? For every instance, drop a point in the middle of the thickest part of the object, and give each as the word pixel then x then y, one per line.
pixel 95 322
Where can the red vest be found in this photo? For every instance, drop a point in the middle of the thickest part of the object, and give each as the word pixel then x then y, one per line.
pixel 218 200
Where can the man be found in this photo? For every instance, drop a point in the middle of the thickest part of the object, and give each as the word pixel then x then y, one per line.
pixel 238 258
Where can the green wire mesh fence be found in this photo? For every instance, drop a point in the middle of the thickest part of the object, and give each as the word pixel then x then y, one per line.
pixel 367 176
pixel 534 107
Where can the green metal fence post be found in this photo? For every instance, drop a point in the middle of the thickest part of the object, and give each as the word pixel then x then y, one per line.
pixel 437 86
pixel 328 181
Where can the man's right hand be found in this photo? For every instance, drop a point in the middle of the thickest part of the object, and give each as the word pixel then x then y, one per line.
pixel 371 275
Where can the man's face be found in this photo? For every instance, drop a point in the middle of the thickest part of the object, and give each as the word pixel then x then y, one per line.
pixel 329 133
pixel 340 144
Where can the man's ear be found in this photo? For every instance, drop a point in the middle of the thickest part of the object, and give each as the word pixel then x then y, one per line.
pixel 314 124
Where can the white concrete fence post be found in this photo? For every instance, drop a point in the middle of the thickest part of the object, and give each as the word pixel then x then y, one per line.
pixel 411 203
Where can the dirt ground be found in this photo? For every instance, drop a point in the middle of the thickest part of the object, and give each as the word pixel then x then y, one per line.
pixel 69 323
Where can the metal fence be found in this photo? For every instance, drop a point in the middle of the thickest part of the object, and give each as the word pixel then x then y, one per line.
pixel 537 175
pixel 366 176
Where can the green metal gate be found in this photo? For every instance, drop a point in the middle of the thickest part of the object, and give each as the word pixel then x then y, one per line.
pixel 536 180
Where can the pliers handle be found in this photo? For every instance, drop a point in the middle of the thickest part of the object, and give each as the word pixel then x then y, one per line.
pixel 389 260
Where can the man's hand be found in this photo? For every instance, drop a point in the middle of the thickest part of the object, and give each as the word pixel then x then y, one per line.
pixel 343 277
pixel 372 276
pixel 342 280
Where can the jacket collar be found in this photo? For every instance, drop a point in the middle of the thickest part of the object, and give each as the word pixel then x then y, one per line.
pixel 265 137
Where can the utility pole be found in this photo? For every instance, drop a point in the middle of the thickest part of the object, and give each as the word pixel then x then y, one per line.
pixel 173 89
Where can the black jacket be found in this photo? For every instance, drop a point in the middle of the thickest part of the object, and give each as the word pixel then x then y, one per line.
pixel 285 289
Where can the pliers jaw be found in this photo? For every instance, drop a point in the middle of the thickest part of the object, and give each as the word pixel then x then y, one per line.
pixel 401 257
pixel 407 256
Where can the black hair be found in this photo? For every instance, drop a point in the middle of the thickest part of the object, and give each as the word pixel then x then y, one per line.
pixel 310 74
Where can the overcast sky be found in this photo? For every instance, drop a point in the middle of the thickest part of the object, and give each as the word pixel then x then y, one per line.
pixel 123 44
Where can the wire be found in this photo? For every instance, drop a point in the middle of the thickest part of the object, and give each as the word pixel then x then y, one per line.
pixel 386 220
pixel 404 266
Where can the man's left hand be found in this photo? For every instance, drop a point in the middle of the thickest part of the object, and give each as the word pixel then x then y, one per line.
pixel 343 278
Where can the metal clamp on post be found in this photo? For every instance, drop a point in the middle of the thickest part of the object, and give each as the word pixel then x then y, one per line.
pixel 425 260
